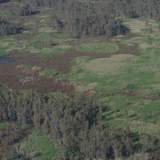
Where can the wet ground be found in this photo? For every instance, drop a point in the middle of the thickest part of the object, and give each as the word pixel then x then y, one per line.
pixel 7 60
pixel 15 79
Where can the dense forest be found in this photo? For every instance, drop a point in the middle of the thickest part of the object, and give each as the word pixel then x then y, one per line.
pixel 91 17
pixel 77 123
pixel 98 17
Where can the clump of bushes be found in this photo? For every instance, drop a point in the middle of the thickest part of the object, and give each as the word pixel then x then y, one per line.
pixel 8 28
pixel 28 9
pixel 76 122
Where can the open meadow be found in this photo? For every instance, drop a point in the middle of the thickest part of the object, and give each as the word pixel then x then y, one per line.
pixel 121 72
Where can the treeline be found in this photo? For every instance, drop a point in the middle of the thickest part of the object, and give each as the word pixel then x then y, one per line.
pixel 77 123
pixel 4 1
pixel 92 17
pixel 98 17
pixel 27 9
pixel 133 8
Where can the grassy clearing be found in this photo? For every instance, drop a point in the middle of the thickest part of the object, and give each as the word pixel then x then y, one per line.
pixel 9 43
pixel 55 51
pixel 107 65
pixel 50 52
pixel 3 53
pixel 6 13
pixel 48 73
pixel 44 44
pixel 142 71
pixel 44 37
pixel 6 125
pixel 141 26
pixel 138 74
pixel 52 73
pixel 135 113
pixel 39 143
pixel 99 47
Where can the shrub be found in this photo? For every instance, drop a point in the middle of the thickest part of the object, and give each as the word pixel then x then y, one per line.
pixel 8 28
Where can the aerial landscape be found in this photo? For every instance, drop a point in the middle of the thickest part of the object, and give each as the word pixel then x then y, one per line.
pixel 79 80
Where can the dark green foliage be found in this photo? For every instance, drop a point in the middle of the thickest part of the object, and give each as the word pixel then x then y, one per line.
pixel 27 9
pixel 98 17
pixel 8 28
pixel 90 19
pixel 75 122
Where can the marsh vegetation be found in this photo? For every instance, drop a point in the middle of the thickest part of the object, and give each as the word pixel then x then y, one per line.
pixel 79 80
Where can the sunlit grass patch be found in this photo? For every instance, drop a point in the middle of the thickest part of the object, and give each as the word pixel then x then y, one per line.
pixel 145 41
pixel 50 52
pixel 138 114
pixel 141 70
pixel 139 75
pixel 6 125
pixel 107 65
pixel 7 42
pixel 51 73
pixel 99 47
pixel 46 30
pixel 48 73
pixel 50 36
pixel 3 53
pixel 47 44
pixel 141 26
pixel 39 144
pixel 145 128
pixel 132 40
pixel 135 25
pixel 5 13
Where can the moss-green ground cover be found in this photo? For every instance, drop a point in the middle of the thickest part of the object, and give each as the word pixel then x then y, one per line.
pixel 138 74
pixel 132 90
pixel 40 144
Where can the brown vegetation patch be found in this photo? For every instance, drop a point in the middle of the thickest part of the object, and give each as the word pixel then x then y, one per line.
pixel 16 77
pixel 61 63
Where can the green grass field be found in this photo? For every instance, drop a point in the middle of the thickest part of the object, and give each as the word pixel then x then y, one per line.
pixel 3 53
pixel 129 84
pixel 5 13
pixel 98 47
pixel 115 77
pixel 38 143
